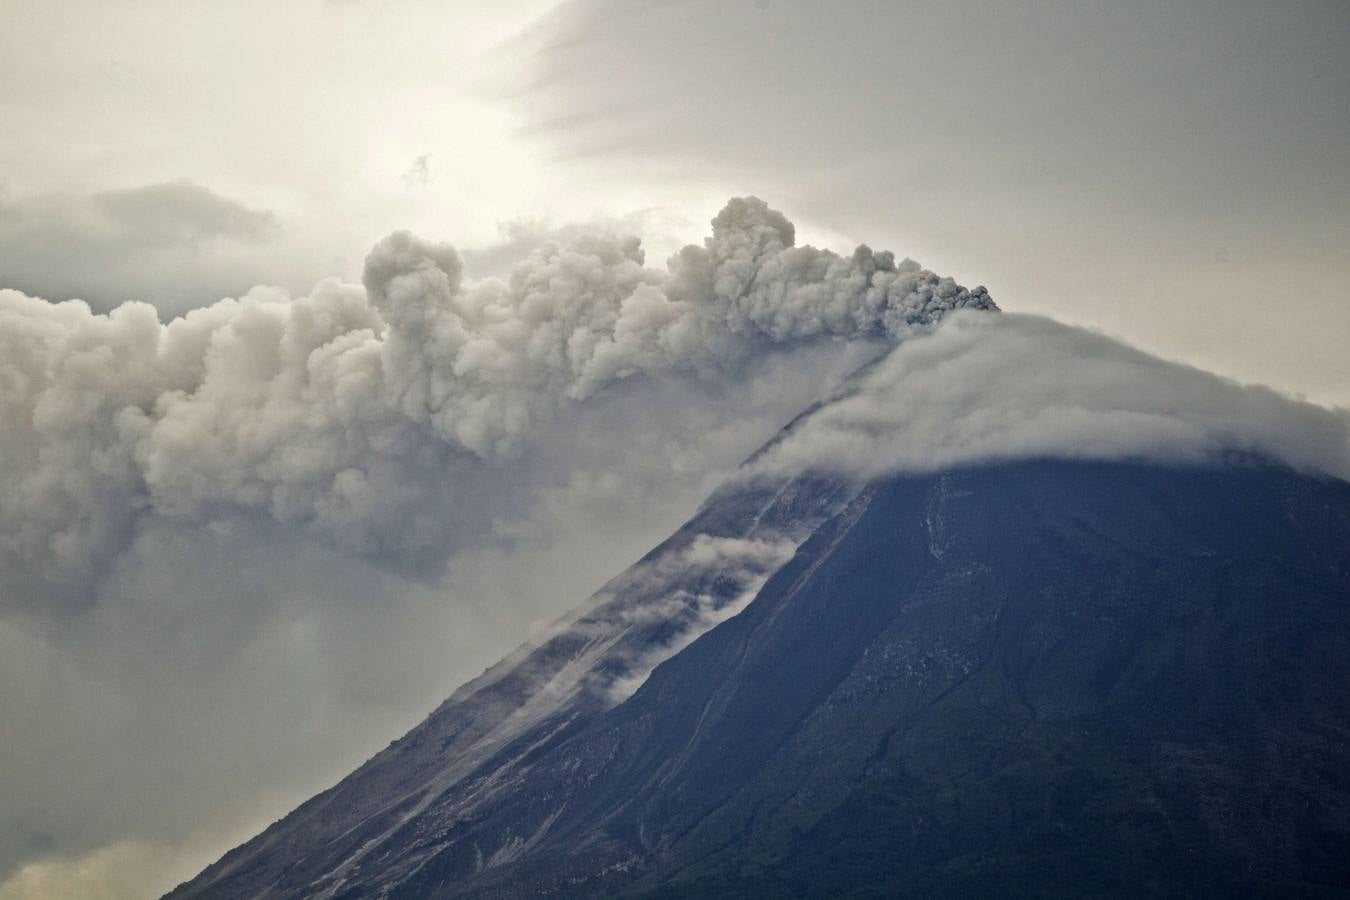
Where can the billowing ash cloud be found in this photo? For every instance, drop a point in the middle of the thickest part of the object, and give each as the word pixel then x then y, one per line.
pixel 486 362
pixel 988 388
pixel 350 502
pixel 362 416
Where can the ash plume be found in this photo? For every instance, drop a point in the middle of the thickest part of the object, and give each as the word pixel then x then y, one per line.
pixel 362 415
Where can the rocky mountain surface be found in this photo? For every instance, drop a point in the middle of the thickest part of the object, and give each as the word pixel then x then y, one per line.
pixel 1039 678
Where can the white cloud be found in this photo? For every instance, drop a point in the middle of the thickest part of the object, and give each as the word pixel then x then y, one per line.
pixel 989 388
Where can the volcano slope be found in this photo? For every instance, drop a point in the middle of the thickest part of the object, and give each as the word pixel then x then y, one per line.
pixel 1037 678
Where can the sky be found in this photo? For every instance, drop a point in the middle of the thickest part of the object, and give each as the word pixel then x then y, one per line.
pixel 1176 175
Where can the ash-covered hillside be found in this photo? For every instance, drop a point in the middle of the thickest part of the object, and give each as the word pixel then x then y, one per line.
pixel 1035 678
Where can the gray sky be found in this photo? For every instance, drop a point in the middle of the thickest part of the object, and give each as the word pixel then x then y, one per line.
pixel 1176 174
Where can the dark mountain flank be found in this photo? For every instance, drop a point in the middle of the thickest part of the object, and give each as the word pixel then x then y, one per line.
pixel 1048 679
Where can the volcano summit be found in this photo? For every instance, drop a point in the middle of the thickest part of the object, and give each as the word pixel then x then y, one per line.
pixel 1106 667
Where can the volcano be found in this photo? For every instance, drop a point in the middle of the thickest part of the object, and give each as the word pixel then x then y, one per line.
pixel 1034 678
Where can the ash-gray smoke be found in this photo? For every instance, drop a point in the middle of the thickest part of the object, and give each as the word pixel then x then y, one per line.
pixel 365 416
pixel 349 502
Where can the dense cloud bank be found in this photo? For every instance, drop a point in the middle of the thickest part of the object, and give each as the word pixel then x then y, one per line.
pixel 989 388
pixel 362 416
